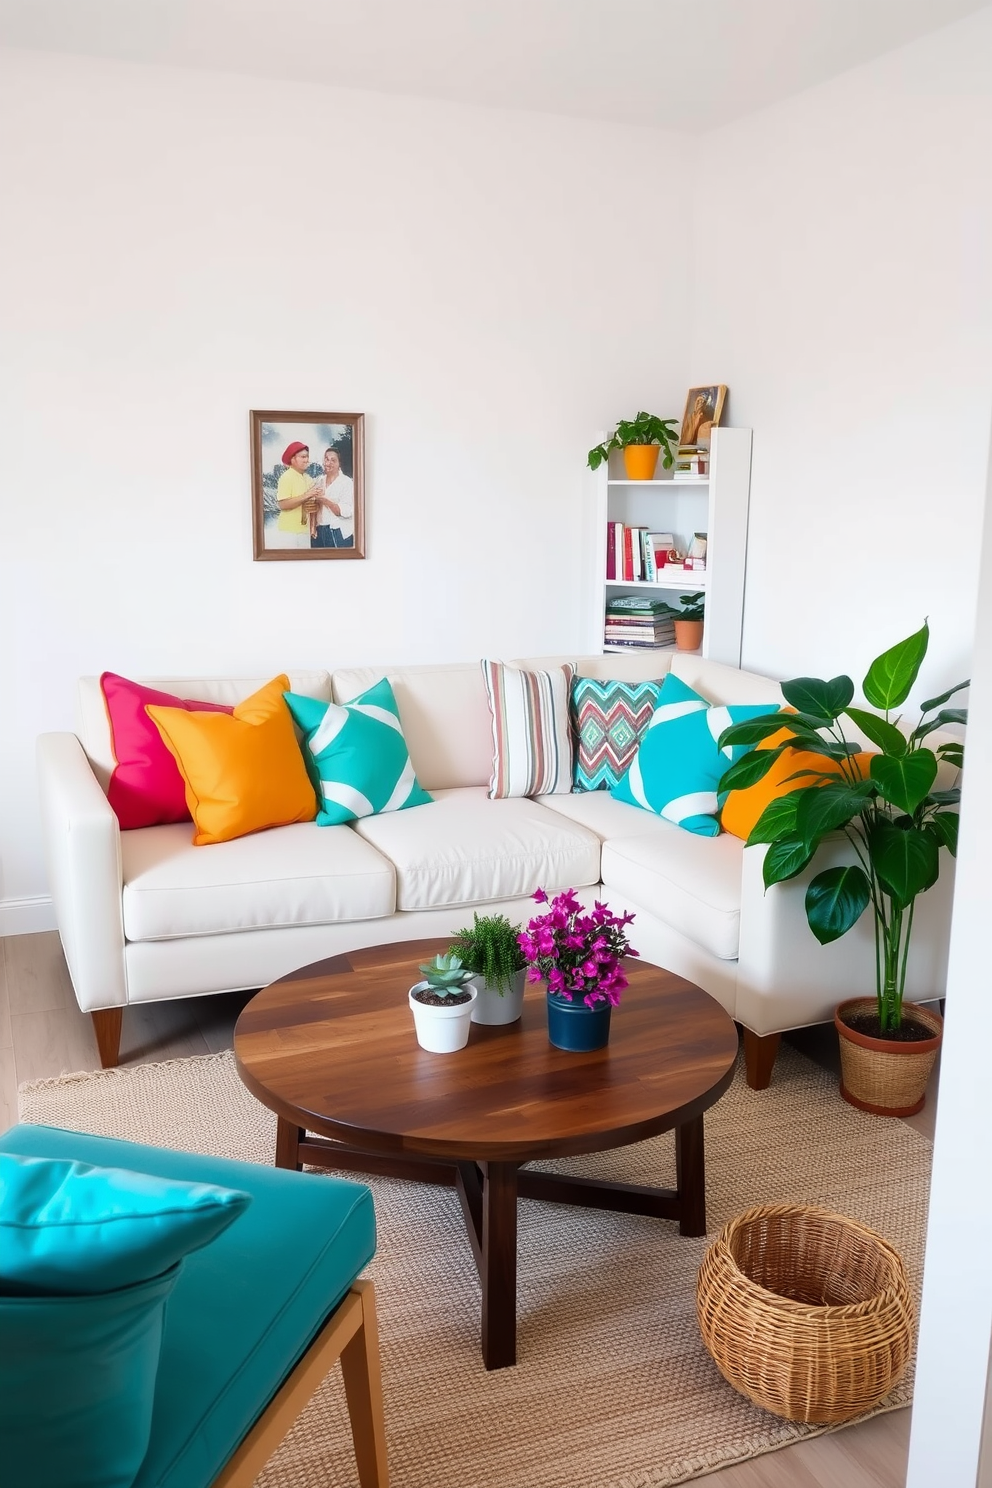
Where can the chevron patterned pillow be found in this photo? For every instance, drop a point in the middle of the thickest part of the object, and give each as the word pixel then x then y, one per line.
pixel 609 719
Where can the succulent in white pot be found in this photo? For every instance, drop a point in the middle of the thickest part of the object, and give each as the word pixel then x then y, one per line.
pixel 442 1005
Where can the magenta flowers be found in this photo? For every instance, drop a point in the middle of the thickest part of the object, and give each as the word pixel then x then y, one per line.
pixel 577 953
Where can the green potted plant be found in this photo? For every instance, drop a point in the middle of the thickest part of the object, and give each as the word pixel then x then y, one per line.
pixel 489 948
pixel 642 439
pixel 896 823
pixel 442 1005
pixel 689 621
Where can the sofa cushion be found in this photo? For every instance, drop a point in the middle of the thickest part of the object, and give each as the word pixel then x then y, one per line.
pixel 532 730
pixel 357 756
pixel 444 714
pixel 598 812
pixel 691 883
pixel 467 849
pixel 246 1307
pixel 296 875
pixel 609 719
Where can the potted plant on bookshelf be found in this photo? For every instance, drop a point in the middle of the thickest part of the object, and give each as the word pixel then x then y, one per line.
pixel 490 949
pixel 642 439
pixel 689 621
pixel 580 959
pixel 442 1005
pixel 896 823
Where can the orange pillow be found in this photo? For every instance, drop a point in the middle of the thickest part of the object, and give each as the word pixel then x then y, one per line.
pixel 742 808
pixel 243 772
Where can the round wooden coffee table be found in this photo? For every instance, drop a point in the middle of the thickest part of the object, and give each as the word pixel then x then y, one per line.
pixel 331 1049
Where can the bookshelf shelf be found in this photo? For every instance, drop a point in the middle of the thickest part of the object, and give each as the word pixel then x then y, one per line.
pixel 715 504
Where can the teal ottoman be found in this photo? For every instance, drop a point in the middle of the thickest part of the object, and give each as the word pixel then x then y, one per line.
pixel 246 1311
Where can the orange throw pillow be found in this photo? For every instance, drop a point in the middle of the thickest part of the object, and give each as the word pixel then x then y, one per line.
pixel 742 808
pixel 243 772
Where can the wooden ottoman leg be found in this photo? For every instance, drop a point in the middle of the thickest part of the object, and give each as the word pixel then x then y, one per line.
pixel 107 1027
pixel 363 1388
pixel 759 1057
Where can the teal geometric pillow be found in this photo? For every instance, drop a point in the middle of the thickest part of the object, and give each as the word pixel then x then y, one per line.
pixel 677 767
pixel 609 719
pixel 356 755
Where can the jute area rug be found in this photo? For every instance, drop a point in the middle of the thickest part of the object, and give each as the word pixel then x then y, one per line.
pixel 614 1388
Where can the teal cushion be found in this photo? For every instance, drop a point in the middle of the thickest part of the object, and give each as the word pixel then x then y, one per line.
pixel 70 1228
pixel 88 1257
pixel 678 766
pixel 356 755
pixel 246 1307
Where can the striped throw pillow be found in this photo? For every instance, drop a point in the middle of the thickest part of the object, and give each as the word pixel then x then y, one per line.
pixel 608 719
pixel 532 737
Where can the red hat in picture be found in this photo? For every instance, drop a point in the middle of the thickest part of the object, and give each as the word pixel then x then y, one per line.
pixel 293 449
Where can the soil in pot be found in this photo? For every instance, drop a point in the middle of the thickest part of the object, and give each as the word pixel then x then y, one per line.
pixel 430 998
pixel 909 1032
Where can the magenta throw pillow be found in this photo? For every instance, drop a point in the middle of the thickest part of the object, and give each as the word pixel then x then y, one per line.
pixel 146 788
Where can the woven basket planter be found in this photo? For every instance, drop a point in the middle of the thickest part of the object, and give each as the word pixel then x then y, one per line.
pixel 805 1312
pixel 878 1075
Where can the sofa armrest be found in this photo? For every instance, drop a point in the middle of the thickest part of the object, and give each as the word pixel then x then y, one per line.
pixel 82 846
pixel 786 979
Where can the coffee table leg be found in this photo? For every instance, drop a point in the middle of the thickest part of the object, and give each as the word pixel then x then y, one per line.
pixel 691 1177
pixel 499 1265
pixel 288 1138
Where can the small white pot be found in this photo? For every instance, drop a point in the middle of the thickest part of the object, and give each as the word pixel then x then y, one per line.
pixel 492 1007
pixel 442 1030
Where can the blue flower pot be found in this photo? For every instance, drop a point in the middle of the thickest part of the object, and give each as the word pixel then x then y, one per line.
pixel 575 1026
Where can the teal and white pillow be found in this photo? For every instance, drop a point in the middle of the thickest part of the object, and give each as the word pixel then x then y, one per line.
pixel 356 755
pixel 678 765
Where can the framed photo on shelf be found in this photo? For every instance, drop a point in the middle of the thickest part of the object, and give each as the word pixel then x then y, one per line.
pixel 307 485
pixel 703 412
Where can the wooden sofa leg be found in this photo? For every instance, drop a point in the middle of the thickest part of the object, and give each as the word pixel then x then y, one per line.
pixel 363 1389
pixel 759 1058
pixel 107 1027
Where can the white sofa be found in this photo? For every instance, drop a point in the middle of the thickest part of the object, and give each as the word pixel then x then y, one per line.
pixel 143 915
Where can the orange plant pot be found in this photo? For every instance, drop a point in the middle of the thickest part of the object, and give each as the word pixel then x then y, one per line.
pixel 641 461
pixel 688 635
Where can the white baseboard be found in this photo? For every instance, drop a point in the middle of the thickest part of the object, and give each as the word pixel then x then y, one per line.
pixel 27 916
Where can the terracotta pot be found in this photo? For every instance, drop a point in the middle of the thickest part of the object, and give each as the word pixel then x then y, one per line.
pixel 641 461
pixel 688 635
pixel 880 1075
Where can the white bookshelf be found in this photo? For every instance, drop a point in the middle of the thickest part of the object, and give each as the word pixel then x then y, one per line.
pixel 716 504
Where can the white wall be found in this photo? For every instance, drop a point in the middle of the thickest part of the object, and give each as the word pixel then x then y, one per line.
pixel 843 290
pixel 186 247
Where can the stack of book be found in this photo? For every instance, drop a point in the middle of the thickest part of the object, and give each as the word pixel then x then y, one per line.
pixel 691 462
pixel 634 553
pixel 632 621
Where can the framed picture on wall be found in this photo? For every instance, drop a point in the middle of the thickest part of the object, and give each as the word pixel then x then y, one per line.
pixel 703 412
pixel 308 485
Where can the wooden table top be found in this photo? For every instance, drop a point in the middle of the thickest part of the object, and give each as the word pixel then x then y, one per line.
pixel 332 1048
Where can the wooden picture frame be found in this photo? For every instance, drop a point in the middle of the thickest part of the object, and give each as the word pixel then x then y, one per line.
pixel 703 412
pixel 324 458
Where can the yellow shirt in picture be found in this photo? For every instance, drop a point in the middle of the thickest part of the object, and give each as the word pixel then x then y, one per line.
pixel 292 484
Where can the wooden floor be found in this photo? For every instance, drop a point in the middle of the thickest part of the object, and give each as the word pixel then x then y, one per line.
pixel 42 1033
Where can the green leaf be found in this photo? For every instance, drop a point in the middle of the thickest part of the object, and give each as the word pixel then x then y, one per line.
pixel 889 738
pixel 891 676
pixel 907 863
pixel 937 701
pixel 751 731
pixel 828 807
pixel 952 752
pixel 824 700
pixel 748 771
pixel 944 826
pixel 784 859
pixel 905 781
pixel 835 900
pixel 944 717
pixel 778 820
pixel 946 797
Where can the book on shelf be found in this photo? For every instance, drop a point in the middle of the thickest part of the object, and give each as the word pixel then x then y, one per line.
pixel 611 549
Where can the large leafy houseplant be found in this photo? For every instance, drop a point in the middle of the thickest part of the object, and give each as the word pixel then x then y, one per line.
pixel 894 819
pixel 646 428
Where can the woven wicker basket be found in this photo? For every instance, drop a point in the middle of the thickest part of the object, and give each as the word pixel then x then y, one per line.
pixel 805 1312
pixel 888 1079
